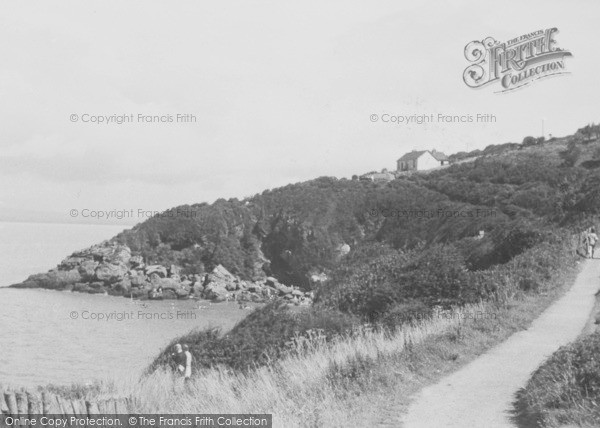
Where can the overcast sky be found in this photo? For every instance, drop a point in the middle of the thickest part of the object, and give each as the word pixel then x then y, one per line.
pixel 282 91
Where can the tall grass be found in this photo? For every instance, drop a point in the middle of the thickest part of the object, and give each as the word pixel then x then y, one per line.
pixel 355 376
pixel 319 384
pixel 566 388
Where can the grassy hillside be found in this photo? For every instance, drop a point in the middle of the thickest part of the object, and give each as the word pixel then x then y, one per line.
pixel 414 244
pixel 389 318
pixel 297 230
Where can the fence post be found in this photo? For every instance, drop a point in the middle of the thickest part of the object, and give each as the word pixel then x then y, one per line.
pixel 3 406
pixel 92 408
pixel 50 404
pixel 35 405
pixel 11 403
pixel 22 406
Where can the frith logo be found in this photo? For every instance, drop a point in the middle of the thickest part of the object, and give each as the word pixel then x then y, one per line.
pixel 515 63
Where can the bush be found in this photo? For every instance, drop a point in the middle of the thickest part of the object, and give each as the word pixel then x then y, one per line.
pixel 432 276
pixel 258 339
pixel 566 388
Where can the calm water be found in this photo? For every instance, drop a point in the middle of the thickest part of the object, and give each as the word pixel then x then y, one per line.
pixel 62 337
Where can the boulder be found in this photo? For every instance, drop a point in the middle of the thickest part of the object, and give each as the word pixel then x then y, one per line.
pixel 139 293
pixel 222 274
pixel 123 286
pixel 169 294
pixel 182 293
pixel 284 289
pixel 174 270
pixel 87 269
pixel 70 263
pixel 297 293
pixel 154 277
pixel 54 279
pixel 167 284
pixel 268 292
pixel 197 288
pixel 110 273
pixel 84 288
pixel 106 252
pixel 222 279
pixel 271 281
pixel 96 285
pixel 157 269
pixel 138 280
pixel 137 262
pixel 254 288
pixel 215 291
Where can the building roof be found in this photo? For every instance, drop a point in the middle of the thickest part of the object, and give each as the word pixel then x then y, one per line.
pixel 439 155
pixel 415 154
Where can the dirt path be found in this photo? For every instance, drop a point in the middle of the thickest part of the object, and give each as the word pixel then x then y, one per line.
pixel 481 393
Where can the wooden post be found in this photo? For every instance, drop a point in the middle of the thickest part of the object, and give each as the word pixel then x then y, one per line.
pixel 131 404
pixel 92 408
pixel 102 408
pixel 65 406
pixel 22 406
pixel 79 407
pixel 3 406
pixel 11 403
pixel 49 404
pixel 121 406
pixel 35 405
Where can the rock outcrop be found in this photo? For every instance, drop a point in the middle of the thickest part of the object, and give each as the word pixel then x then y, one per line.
pixel 110 268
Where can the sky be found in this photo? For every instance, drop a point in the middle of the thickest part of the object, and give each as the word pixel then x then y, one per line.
pixel 282 92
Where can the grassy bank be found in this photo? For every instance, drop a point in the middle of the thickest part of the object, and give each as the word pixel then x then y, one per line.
pixel 565 390
pixel 363 377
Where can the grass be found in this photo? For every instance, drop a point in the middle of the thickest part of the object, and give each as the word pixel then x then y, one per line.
pixel 565 389
pixel 365 377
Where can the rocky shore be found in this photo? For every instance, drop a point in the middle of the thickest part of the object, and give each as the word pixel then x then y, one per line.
pixel 109 268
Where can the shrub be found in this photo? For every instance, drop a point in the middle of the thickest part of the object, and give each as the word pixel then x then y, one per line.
pixel 566 388
pixel 258 339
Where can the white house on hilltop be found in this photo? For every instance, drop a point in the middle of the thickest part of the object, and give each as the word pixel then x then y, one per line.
pixel 421 160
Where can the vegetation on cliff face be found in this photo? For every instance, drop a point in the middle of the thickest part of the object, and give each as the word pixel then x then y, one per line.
pixel 415 251
pixel 415 242
pixel 296 231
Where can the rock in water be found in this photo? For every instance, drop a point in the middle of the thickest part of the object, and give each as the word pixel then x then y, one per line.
pixel 54 279
pixel 215 291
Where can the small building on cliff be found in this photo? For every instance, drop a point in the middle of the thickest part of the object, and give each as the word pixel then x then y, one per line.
pixel 421 160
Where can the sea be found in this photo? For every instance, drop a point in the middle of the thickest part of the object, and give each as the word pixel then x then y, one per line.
pixel 62 338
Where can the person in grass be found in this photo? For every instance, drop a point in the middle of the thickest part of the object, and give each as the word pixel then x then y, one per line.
pixel 187 374
pixel 179 358
pixel 592 239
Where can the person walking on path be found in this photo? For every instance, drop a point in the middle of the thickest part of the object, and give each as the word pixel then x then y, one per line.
pixel 592 239
pixel 583 241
